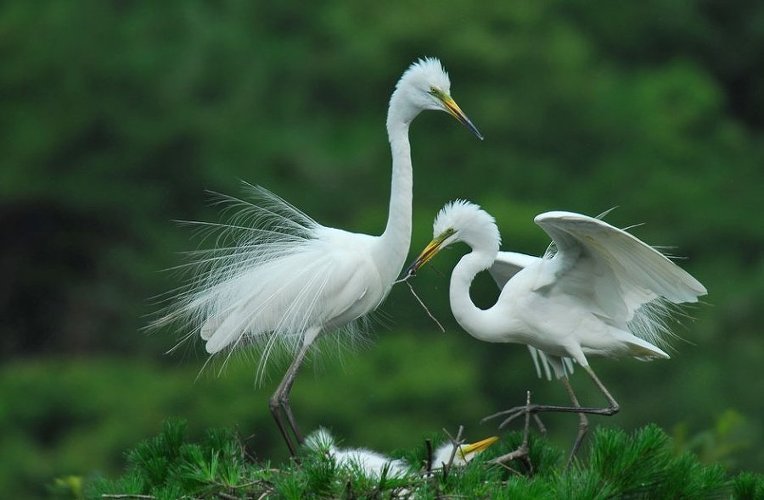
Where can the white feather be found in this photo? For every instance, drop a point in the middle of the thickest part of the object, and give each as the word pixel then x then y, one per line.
pixel 598 290
pixel 627 280
pixel 370 463
pixel 275 274
pixel 277 279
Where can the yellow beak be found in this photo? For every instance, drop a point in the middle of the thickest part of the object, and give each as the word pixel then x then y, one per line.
pixel 479 446
pixel 455 111
pixel 428 253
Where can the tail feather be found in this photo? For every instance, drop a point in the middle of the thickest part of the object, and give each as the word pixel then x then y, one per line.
pixel 640 348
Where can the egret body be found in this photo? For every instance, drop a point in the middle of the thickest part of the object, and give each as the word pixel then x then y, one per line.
pixel 279 279
pixel 598 291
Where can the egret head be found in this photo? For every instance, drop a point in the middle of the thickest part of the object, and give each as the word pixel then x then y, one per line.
pixel 460 220
pixel 320 440
pixel 425 86
pixel 464 453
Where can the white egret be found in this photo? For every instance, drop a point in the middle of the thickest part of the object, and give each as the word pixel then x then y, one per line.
pixel 279 279
pixel 369 462
pixel 598 291
pixel 372 463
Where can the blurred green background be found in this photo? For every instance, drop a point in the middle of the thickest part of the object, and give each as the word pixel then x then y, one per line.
pixel 115 116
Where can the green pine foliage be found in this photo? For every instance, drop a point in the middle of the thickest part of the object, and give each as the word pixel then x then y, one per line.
pixel 642 464
pixel 116 116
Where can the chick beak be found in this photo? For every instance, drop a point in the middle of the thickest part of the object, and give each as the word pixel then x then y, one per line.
pixel 478 446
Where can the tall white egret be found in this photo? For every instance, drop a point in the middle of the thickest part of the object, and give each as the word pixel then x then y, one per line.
pixel 598 291
pixel 372 463
pixel 279 279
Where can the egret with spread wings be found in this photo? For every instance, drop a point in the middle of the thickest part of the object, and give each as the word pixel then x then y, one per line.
pixel 598 291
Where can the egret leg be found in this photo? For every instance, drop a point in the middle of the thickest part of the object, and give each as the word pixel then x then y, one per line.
pixel 583 422
pixel 279 403
pixel 513 413
pixel 539 424
pixel 614 406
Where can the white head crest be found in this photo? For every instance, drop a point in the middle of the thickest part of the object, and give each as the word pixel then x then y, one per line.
pixel 426 73
pixel 468 223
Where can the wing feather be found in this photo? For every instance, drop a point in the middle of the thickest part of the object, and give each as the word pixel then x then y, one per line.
pixel 507 264
pixel 628 281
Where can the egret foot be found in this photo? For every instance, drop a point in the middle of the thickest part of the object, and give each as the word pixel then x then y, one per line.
pixel 518 411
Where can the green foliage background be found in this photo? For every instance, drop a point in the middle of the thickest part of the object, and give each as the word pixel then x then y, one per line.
pixel 116 116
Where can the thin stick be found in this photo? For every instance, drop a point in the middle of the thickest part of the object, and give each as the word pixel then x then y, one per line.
pixel 521 452
pixel 127 495
pixel 424 306
pixel 455 443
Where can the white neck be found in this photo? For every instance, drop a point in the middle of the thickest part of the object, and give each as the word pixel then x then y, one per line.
pixel 394 243
pixel 474 320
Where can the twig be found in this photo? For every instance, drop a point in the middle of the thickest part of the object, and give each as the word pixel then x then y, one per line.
pixel 227 496
pixel 265 494
pixel 127 495
pixel 522 451
pixel 424 306
pixel 456 443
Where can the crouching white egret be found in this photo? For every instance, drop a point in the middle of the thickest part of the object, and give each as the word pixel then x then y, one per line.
pixel 463 454
pixel 279 279
pixel 372 463
pixel 598 291
pixel 369 462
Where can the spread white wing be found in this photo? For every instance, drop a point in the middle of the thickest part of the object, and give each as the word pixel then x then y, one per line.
pixel 624 280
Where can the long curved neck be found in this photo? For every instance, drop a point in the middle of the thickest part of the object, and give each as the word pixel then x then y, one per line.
pixel 394 242
pixel 470 317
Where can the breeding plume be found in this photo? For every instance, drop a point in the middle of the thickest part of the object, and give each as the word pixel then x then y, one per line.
pixel 278 279
pixel 598 291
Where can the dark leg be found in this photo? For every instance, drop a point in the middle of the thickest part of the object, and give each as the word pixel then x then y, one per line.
pixel 517 411
pixel 613 404
pixel 583 422
pixel 539 424
pixel 279 403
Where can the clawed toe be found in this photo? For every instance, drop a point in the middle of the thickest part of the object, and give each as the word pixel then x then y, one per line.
pixel 517 412
pixel 511 414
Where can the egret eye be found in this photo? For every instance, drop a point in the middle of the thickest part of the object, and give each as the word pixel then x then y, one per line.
pixel 437 93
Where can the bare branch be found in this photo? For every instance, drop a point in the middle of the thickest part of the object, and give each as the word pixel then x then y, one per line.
pixel 456 443
pixel 521 453
pixel 128 495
